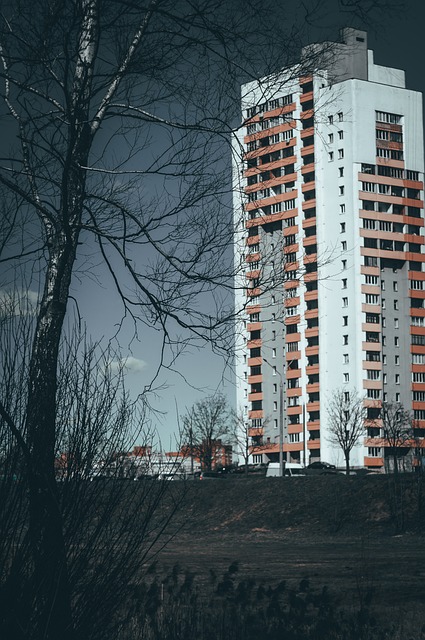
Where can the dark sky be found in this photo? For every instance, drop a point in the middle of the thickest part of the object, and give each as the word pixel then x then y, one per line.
pixel 400 43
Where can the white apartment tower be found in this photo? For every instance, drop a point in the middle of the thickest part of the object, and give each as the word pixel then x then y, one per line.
pixel 331 236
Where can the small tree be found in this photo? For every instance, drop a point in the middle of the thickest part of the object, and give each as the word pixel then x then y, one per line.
pixel 398 430
pixel 346 422
pixel 204 425
pixel 240 436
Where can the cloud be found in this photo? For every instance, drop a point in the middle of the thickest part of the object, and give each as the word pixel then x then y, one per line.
pixel 18 302
pixel 129 364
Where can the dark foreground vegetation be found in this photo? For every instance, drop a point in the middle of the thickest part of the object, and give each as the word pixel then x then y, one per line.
pixel 174 606
pixel 292 559
pixel 277 558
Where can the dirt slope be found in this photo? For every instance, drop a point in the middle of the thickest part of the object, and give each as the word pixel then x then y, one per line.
pixel 351 534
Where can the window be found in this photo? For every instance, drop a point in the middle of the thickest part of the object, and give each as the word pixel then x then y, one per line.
pixel 346 377
pixel 397 361
pixel 341 172
pixel 345 302
pixel 374 452
pixel 370 261
pixel 382 134
pixel 345 358
pixel 345 339
pixel 292 311
pixel 396 323
pixel 343 264
pixel 273 353
pixel 371 298
pixel 342 227
pixel 344 283
pixel 291 346
pixel 331 138
pixel 330 156
pixel 344 321
pixel 385 226
pixel 344 245
pixel 391 118
pixel 340 154
pixel 417 321
pixel 341 191
pixel 395 305
pixel 395 286
pixel 373 394
pixel 292 328
pixel 372 280
pixel 274 406
pixel 342 208
pixel 294 437
pixel 340 135
pixel 330 119
pixel 373 356
pixel 372 336
pixel 372 318
pixel 397 378
pixel 340 116
pixel 373 374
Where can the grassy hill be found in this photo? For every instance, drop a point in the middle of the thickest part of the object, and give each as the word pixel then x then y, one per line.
pixel 355 536
pixel 317 506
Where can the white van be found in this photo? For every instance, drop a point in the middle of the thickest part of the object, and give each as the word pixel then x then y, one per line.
pixel 290 469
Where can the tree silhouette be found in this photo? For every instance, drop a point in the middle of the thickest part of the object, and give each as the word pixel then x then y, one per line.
pixel 346 415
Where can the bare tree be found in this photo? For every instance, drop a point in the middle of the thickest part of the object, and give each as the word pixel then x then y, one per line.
pixel 346 416
pixel 110 524
pixel 118 115
pixel 205 424
pixel 398 430
pixel 242 439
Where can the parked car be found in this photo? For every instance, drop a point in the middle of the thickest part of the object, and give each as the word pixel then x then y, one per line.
pixel 290 470
pixel 211 475
pixel 321 468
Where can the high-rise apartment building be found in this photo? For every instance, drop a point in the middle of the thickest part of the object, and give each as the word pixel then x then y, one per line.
pixel 331 235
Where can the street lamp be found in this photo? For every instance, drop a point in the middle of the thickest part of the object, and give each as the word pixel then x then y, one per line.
pixel 280 417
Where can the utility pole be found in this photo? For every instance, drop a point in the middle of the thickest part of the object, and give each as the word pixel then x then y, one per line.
pixel 281 427
pixel 281 416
